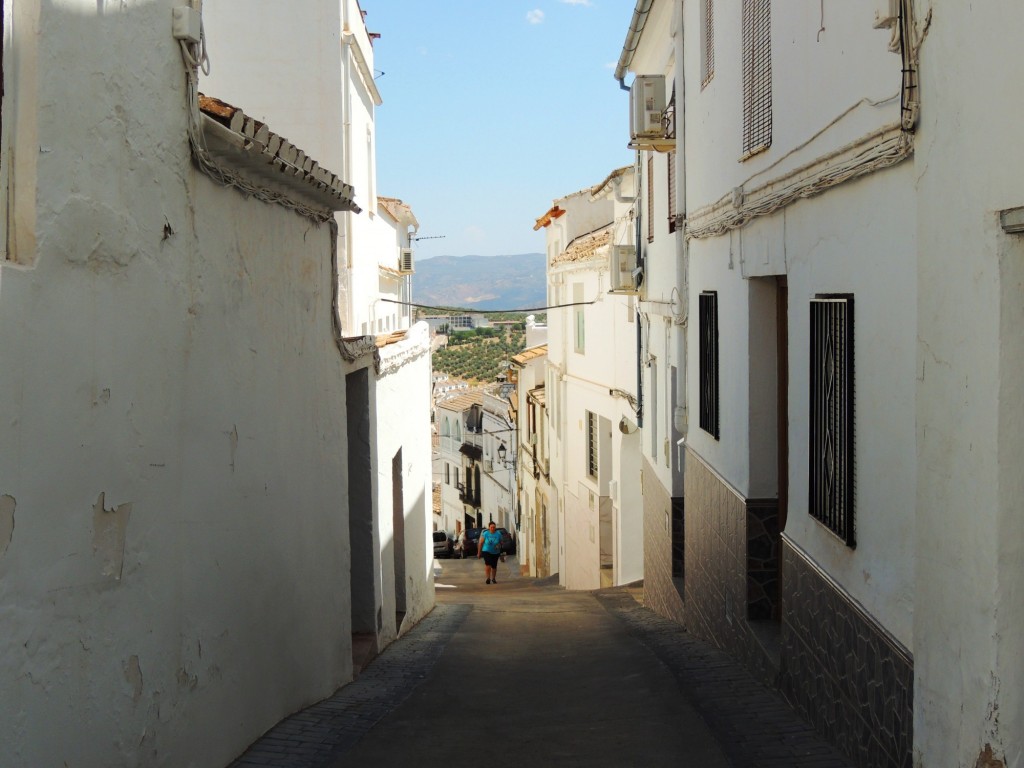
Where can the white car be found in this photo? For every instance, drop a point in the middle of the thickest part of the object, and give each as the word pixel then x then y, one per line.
pixel 442 544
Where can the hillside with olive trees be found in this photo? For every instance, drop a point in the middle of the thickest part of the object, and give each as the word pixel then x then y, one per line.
pixel 479 355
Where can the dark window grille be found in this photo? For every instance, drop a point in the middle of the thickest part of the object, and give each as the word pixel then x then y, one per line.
pixel 709 363
pixel 757 76
pixel 671 191
pixel 708 27
pixel 650 197
pixel 831 480
pixel 591 444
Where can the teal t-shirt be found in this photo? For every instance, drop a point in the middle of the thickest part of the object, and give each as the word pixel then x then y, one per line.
pixel 490 542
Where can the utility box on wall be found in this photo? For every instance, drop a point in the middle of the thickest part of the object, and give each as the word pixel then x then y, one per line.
pixel 647 107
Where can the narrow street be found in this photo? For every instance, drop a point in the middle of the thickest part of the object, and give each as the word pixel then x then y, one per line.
pixel 525 673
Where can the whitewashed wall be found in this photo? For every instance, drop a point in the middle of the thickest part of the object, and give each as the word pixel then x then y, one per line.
pixel 660 303
pixel 261 51
pixel 969 617
pixel 174 451
pixel 609 363
pixel 530 375
pixel 855 238
pixel 405 379
pixel 814 81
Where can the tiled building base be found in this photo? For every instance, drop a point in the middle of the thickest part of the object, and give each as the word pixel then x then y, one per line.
pixel 662 592
pixel 842 671
pixel 731 577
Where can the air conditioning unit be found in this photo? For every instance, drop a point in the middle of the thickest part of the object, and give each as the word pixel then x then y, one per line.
pixel 405 262
pixel 623 269
pixel 647 107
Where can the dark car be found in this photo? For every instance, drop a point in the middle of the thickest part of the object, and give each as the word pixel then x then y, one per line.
pixel 508 544
pixel 442 544
pixel 470 540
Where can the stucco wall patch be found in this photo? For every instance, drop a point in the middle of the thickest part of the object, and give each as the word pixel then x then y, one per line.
pixel 988 760
pixel 133 674
pixel 109 527
pixel 90 233
pixel 7 505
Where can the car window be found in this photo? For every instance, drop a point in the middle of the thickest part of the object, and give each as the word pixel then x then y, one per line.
pixel 440 536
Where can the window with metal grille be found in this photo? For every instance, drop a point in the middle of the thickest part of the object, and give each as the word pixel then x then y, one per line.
pixel 650 197
pixel 591 444
pixel 709 363
pixel 672 191
pixel 831 415
pixel 757 76
pixel 707 24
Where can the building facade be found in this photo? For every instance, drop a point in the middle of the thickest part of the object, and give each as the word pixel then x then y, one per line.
pixel 843 271
pixel 538 533
pixel 590 388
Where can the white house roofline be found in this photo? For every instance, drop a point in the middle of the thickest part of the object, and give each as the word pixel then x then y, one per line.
pixel 248 145
pixel 636 29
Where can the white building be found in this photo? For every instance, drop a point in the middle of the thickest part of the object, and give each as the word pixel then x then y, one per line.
pixel 538 533
pixel 174 533
pixel 460 495
pixel 477 483
pixel 499 443
pixel 591 384
pixel 319 87
pixel 848 256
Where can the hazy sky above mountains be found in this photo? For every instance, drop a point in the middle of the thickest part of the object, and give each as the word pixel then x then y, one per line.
pixel 492 109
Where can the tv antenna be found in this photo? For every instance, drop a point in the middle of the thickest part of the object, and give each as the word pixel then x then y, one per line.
pixel 428 237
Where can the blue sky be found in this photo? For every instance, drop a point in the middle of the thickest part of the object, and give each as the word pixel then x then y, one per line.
pixel 492 108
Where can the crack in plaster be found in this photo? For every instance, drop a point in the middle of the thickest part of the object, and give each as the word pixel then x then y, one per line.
pixel 133 674
pixel 233 437
pixel 108 536
pixel 7 507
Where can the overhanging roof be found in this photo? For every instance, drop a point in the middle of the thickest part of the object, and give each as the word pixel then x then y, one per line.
pixel 250 148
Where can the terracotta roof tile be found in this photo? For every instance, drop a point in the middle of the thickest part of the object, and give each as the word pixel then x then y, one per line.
pixel 586 247
pixel 530 354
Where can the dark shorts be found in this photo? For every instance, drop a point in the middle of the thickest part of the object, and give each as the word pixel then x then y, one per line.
pixel 491 559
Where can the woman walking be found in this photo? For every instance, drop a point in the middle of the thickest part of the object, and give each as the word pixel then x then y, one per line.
pixel 490 550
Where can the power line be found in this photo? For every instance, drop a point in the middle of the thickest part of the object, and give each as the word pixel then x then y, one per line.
pixel 461 310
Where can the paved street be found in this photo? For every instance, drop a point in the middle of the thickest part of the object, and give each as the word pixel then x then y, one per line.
pixel 525 673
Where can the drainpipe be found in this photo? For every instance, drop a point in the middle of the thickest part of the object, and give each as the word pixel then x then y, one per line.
pixel 680 416
pixel 639 316
pixel 636 29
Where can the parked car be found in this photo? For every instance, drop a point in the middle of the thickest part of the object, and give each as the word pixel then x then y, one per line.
pixel 469 542
pixel 442 544
pixel 508 543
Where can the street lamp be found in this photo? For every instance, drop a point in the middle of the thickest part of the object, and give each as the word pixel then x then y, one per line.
pixel 502 452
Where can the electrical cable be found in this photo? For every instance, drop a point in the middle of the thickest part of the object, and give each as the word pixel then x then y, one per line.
pixel 888 151
pixel 462 311
pixel 196 58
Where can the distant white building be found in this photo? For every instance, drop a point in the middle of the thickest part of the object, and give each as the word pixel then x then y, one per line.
pixel 461 471
pixel 591 387
pixel 538 533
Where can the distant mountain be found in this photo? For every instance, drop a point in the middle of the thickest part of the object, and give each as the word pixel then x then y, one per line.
pixel 481 282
